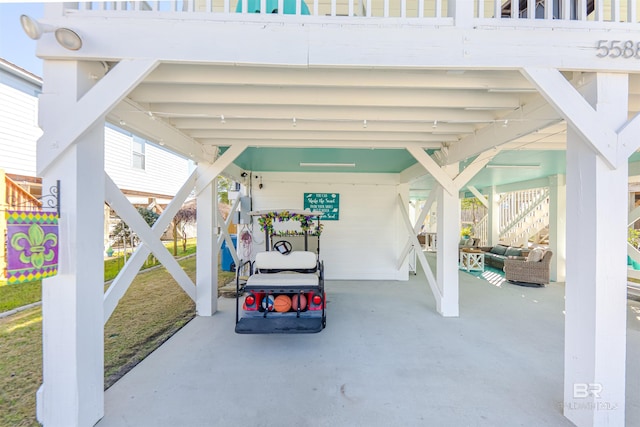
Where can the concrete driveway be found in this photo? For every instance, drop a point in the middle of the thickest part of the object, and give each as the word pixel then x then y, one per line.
pixel 386 358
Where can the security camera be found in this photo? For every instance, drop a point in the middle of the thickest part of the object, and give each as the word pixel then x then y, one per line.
pixel 244 174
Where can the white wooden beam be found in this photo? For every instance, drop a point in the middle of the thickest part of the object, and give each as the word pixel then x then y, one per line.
pixel 474 167
pixel 207 250
pixel 629 138
pixel 426 207
pixel 479 196
pixel 634 215
pixel 91 108
pixel 558 227
pixel 434 169
pixel 72 392
pixel 206 176
pixel 224 235
pixel 535 115
pixel 129 271
pixel 576 111
pixel 596 284
pixel 134 220
pixel 448 227
pixel 437 294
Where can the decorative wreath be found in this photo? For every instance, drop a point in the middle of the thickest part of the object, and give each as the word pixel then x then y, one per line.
pixel 306 222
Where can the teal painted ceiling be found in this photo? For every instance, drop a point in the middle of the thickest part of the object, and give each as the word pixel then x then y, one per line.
pixel 289 159
pixel 524 165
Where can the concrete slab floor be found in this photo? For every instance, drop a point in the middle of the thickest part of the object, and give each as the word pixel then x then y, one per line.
pixel 386 358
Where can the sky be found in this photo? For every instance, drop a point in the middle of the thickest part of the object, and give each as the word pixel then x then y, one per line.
pixel 15 46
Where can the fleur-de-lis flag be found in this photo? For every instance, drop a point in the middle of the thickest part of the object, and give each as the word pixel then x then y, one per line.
pixel 32 245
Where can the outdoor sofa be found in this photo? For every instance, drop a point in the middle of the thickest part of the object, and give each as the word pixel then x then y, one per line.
pixel 495 256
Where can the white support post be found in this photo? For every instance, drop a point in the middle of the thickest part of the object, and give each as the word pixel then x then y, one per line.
pixel 558 227
pixel 595 322
pixel 207 251
pixel 447 252
pixel 493 222
pixel 72 393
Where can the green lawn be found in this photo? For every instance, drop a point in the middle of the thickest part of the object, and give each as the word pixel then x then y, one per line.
pixel 152 310
pixel 13 296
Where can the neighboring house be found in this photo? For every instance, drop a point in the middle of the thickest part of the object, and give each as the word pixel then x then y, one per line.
pixel 146 173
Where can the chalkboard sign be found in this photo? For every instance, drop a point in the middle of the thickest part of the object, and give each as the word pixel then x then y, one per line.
pixel 327 203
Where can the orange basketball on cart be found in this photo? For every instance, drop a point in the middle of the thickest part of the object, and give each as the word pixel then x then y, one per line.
pixel 294 302
pixel 282 303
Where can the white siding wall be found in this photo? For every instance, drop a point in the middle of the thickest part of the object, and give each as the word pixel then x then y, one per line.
pixel 19 130
pixel 164 172
pixel 366 242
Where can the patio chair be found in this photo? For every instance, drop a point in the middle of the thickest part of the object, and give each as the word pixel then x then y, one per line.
pixel 529 271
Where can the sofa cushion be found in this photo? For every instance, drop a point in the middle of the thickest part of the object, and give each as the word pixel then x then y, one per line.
pixel 536 255
pixel 498 249
pixel 511 251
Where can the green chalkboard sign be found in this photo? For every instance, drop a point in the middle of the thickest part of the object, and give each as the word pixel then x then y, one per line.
pixel 327 203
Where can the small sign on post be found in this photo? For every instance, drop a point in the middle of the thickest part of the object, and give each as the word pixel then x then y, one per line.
pixel 327 203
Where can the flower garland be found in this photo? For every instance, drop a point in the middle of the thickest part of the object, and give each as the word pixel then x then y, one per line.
pixel 266 223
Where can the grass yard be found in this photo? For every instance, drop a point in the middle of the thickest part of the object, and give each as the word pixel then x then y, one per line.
pixel 152 310
pixel 13 296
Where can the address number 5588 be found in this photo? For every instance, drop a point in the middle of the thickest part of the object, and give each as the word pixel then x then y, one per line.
pixel 618 49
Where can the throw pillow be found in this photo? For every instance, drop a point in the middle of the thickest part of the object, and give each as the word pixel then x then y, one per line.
pixel 535 255
pixel 511 251
pixel 499 250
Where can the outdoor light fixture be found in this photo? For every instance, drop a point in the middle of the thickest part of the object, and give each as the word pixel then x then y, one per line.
pixel 329 165
pixel 67 38
pixel 494 166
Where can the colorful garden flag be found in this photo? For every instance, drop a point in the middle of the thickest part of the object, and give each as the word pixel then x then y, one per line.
pixel 32 245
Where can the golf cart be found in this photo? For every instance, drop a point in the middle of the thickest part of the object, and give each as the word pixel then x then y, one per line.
pixel 282 290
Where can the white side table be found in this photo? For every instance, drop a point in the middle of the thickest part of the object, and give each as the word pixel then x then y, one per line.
pixel 472 261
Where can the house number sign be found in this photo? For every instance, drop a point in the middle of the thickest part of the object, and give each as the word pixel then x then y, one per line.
pixel 618 49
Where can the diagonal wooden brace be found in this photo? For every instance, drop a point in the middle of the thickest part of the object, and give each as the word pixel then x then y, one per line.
pixel 124 278
pixel 93 106
pixel 559 92
pixel 423 260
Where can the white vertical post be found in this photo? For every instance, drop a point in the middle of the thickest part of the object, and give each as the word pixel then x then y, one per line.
pixel 447 258
pixel 493 222
pixel 207 251
pixel 595 322
pixel 558 227
pixel 461 11
pixel 72 393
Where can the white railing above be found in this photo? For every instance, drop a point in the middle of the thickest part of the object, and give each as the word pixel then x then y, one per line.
pixel 579 10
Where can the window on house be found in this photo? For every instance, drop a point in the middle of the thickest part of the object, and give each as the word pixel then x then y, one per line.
pixel 137 153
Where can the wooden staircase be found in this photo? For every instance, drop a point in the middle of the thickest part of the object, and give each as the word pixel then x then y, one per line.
pixel 524 217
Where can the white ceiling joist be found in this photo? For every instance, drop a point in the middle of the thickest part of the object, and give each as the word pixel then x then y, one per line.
pixel 537 114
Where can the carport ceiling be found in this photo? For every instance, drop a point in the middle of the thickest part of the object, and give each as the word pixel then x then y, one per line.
pixel 292 115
